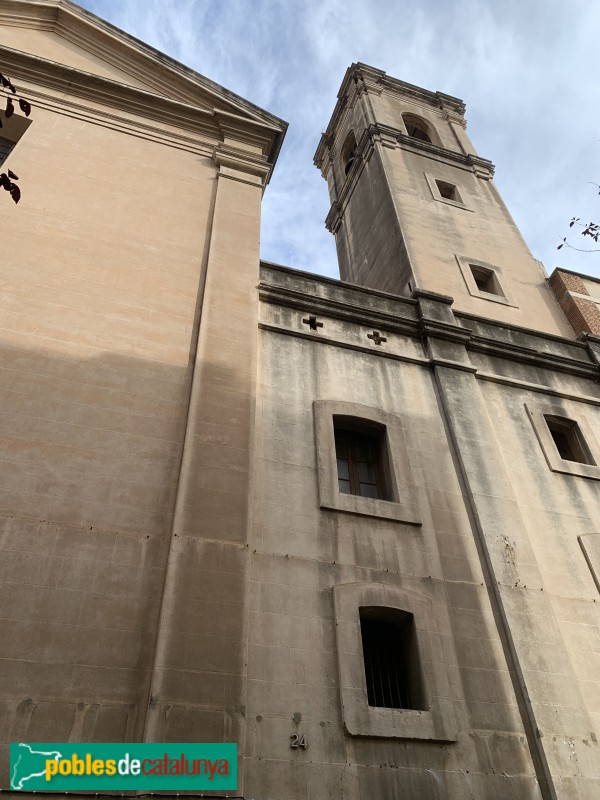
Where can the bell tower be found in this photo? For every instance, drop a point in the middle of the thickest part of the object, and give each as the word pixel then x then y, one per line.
pixel 414 206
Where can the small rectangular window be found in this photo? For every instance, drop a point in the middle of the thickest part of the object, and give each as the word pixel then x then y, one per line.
pixel 359 456
pixel 391 661
pixel 447 191
pixel 485 280
pixel 568 439
pixel 444 191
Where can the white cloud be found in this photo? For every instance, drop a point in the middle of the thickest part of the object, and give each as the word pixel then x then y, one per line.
pixel 527 71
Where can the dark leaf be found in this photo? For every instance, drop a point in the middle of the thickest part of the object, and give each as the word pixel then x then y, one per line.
pixel 559 246
pixel 571 223
pixel 10 109
pixel 6 83
pixel 5 182
pixel 15 192
pixel 12 175
pixel 25 106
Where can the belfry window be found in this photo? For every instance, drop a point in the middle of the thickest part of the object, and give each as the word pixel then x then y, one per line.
pixel 568 439
pixel 417 128
pixel 359 451
pixel 348 155
pixel 391 659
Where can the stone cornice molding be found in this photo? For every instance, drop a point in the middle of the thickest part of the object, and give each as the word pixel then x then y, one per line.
pixel 240 165
pixel 369 79
pixel 134 107
pixel 133 56
pixel 362 78
pixel 392 138
pixel 393 314
pixel 256 134
pixel 176 94
pixel 63 80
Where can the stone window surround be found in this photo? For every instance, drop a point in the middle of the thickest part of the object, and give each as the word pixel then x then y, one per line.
pixel 536 413
pixel 435 192
pixel 438 722
pixel 464 263
pixel 402 507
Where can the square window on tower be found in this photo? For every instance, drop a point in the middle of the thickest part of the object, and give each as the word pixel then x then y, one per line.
pixel 568 439
pixel 486 280
pixel 448 191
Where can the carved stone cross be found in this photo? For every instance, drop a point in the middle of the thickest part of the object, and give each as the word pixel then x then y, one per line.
pixel 312 323
pixel 377 337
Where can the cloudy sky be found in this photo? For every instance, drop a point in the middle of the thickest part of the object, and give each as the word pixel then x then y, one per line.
pixel 527 70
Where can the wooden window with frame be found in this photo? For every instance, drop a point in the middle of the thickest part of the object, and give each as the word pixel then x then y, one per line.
pixel 380 470
pixel 359 451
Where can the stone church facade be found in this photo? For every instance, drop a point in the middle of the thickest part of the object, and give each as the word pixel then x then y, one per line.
pixel 246 503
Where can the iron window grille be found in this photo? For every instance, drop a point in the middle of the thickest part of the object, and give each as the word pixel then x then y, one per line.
pixel 391 660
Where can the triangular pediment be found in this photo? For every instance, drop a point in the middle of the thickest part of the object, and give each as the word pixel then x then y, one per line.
pixel 62 32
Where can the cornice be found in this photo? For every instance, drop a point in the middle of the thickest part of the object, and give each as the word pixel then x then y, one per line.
pixel 76 83
pixel 22 15
pixel 336 309
pixel 256 134
pixel 392 138
pixel 392 314
pixel 71 88
pixel 361 78
pixel 556 363
pixel 239 165
pixel 165 77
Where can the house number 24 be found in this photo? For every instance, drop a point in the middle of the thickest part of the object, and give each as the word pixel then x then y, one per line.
pixel 298 740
